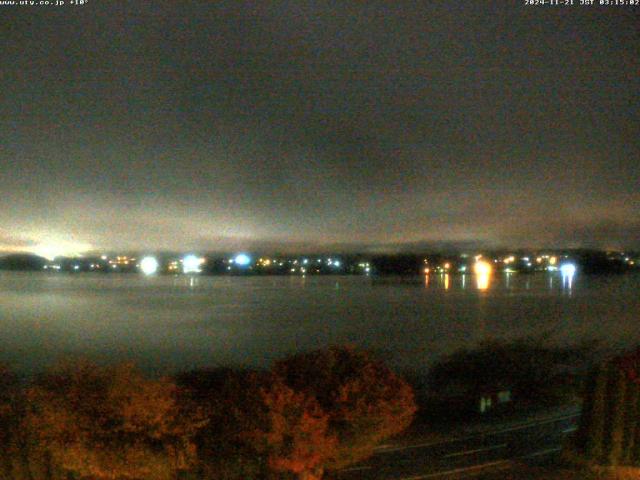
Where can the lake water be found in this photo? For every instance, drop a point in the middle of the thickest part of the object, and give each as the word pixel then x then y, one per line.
pixel 167 323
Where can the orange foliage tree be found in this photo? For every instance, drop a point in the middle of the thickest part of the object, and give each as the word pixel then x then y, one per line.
pixel 107 423
pixel 296 438
pixel 229 445
pixel 313 411
pixel 258 427
pixel 364 401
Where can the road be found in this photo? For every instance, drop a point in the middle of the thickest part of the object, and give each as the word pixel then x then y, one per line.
pixel 532 442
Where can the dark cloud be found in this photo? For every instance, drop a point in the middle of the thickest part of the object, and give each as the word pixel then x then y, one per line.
pixel 198 125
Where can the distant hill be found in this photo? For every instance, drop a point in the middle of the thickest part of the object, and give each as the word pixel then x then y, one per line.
pixel 22 261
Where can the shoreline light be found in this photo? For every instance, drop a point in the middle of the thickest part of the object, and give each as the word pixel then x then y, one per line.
pixel 149 265
pixel 192 264
pixel 482 268
pixel 242 259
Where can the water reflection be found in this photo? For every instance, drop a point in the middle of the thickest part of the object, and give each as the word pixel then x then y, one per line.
pixel 161 322
pixel 568 270
pixel 483 272
pixel 483 280
pixel 446 281
pixel 567 280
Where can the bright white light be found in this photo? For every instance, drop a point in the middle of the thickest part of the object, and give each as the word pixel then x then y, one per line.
pixel 305 261
pixel 192 264
pixel 242 259
pixel 149 265
pixel 336 263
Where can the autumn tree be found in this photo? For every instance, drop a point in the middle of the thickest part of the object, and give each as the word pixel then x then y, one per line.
pixel 258 427
pixel 231 401
pixel 295 436
pixel 107 423
pixel 364 401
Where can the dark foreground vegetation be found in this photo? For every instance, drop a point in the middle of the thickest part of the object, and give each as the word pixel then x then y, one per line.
pixel 310 413
pixel 500 378
pixel 307 416
pixel 606 445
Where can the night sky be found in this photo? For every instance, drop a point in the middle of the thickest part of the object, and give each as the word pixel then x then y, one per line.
pixel 209 125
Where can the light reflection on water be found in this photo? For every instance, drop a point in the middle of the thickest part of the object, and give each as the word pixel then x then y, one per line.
pixel 567 280
pixel 168 322
pixel 483 281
